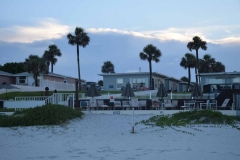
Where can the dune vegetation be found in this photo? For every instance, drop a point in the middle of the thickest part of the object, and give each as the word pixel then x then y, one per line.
pixel 42 115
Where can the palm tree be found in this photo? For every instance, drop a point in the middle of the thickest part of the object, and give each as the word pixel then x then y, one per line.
pixel 196 44
pixel 206 64
pixel 35 65
pixel 188 62
pixel 150 53
pixel 218 67
pixel 184 79
pixel 50 55
pixel 108 67
pixel 79 39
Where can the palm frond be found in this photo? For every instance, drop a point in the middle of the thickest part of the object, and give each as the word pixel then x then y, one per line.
pixel 143 56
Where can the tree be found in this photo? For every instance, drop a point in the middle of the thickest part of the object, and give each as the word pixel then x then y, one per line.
pixel 184 79
pixel 196 44
pixel 50 55
pixel 35 65
pixel 150 53
pixel 100 82
pixel 188 62
pixel 218 67
pixel 13 67
pixel 80 39
pixel 208 64
pixel 108 67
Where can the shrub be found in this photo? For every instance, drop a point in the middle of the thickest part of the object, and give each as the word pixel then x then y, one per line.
pixel 193 117
pixel 43 115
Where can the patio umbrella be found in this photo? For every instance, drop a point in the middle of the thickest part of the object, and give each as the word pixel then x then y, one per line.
pixel 7 86
pixel 225 76
pixel 127 91
pixel 196 91
pixel 161 91
pixel 92 91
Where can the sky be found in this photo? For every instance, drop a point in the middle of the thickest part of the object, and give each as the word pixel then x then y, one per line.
pixel 118 31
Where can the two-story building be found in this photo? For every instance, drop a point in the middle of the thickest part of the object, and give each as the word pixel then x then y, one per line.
pixel 139 80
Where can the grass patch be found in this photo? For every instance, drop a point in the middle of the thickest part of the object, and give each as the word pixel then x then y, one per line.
pixel 7 110
pixel 193 117
pixel 43 115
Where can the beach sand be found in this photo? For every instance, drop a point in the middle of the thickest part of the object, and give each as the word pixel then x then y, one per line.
pixel 108 137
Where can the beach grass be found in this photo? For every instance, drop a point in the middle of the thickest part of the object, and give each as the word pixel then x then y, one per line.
pixel 43 115
pixel 7 110
pixel 193 118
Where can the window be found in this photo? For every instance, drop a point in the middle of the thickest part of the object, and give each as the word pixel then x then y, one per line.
pixel 22 80
pixel 119 83
pixel 215 81
pixel 138 83
pixel 111 86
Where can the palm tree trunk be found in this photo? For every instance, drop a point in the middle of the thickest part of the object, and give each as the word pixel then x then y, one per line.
pixel 79 77
pixel 196 70
pixel 35 80
pixel 189 79
pixel 52 67
pixel 150 69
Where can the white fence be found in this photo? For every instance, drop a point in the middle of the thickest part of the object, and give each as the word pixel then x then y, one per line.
pixel 52 85
pixel 66 99
pixel 31 98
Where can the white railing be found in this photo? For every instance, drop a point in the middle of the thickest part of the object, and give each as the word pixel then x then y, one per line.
pixel 52 85
pixel 31 98
pixel 66 99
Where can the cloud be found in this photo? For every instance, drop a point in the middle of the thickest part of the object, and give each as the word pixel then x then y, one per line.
pixel 207 33
pixel 45 30
pixel 229 40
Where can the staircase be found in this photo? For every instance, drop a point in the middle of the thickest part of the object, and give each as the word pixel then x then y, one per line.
pixel 227 93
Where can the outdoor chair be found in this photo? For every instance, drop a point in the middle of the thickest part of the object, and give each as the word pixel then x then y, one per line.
pixel 175 103
pixel 83 104
pixel 92 104
pixel 101 105
pixel 205 105
pixel 188 105
pixel 142 103
pixel 155 104
pixel 135 103
pixel 117 104
pixel 224 104
pixel 167 104
pixel 213 105
pixel 126 105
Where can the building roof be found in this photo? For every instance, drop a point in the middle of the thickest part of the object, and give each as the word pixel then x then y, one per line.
pixel 174 79
pixel 49 74
pixel 218 73
pixel 6 73
pixel 133 73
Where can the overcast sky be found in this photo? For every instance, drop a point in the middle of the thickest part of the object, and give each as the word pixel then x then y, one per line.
pixel 118 31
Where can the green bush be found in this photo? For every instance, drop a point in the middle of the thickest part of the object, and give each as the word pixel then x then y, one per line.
pixel 192 117
pixel 43 115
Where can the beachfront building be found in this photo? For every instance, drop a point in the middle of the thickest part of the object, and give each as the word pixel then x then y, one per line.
pixel 50 80
pixel 138 81
pixel 6 77
pixel 215 82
